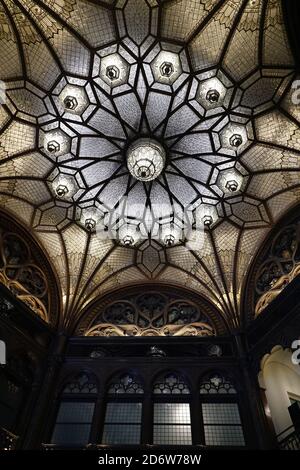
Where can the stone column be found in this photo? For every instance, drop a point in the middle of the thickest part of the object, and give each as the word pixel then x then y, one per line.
pixel 264 440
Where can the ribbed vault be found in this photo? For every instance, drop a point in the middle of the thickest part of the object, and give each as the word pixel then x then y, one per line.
pixel 86 79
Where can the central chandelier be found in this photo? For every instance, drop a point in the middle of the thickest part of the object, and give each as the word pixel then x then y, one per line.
pixel 145 159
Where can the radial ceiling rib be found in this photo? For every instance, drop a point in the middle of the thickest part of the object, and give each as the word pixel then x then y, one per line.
pixel 199 79
pixel 12 50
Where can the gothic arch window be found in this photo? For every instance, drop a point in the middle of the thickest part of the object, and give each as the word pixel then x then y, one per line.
pixel 220 411
pixel 163 312
pixel 171 410
pixel 123 414
pixel 126 383
pixel 25 270
pixel 171 383
pixel 216 383
pixel 76 411
pixel 276 265
pixel 82 384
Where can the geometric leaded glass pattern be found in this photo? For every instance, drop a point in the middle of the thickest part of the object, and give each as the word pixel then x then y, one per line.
pixel 279 265
pixel 172 413
pixel 222 424
pixel 172 424
pixel 217 384
pixel 81 384
pixel 20 273
pixel 171 384
pixel 211 81
pixel 220 413
pixel 151 314
pixel 125 405
pixel 126 384
pixel 123 419
pixel 73 423
pixel 74 418
pixel 122 423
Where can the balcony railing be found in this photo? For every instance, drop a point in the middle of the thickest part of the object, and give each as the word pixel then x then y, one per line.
pixel 291 441
pixel 7 440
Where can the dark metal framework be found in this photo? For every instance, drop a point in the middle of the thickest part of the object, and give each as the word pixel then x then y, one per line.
pixel 275 267
pixel 50 362
pixel 115 419
pixel 40 362
pixel 163 310
pixel 26 271
pixel 146 106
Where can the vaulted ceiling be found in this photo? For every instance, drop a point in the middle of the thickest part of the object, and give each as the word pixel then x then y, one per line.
pixel 211 81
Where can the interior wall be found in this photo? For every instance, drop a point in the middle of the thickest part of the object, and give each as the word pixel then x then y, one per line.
pixel 280 377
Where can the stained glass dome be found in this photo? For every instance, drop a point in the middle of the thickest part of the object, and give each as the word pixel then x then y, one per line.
pixel 148 140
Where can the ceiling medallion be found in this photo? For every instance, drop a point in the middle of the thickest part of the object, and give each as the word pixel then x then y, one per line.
pixel 128 234
pixel 231 181
pixel 91 217
pixel 146 159
pixel 101 134
pixel 74 99
pixel 166 67
pixel 62 190
pixel 56 143
pixel 114 70
pixel 227 121
pixel 212 93
pixel 62 187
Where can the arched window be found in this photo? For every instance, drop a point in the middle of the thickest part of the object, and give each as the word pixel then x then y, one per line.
pixel 171 410
pixel 220 411
pixel 123 416
pixel 76 410
pixel 216 383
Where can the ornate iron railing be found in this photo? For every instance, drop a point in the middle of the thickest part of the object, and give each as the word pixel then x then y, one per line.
pixel 290 442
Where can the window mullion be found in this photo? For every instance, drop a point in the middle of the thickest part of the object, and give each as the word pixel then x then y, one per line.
pixel 147 419
pixel 197 420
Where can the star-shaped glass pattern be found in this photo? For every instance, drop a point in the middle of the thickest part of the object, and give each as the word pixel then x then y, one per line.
pixel 211 82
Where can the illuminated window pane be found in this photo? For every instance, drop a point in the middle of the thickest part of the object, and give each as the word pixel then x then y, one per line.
pixel 171 413
pixel 122 423
pixel 172 435
pixel 172 424
pixel 123 412
pixel 221 413
pixel 224 436
pixel 222 424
